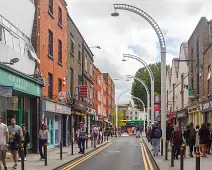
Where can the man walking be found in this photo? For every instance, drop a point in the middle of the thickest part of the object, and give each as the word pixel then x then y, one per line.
pixel 95 133
pixel 16 137
pixel 4 137
pixel 82 137
pixel 156 135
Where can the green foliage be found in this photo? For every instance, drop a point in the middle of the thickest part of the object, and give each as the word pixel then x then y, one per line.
pixel 120 117
pixel 138 90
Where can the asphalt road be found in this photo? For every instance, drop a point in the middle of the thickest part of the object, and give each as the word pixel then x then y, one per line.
pixel 124 154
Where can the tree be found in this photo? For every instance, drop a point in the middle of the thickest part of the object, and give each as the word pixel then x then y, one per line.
pixel 138 90
pixel 120 117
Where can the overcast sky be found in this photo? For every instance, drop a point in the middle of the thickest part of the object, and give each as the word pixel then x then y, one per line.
pixel 129 33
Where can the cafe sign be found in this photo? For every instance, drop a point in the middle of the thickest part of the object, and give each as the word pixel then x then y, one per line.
pixel 20 84
pixel 207 106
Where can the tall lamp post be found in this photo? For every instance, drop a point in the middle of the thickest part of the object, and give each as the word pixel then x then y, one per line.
pixel 151 79
pixel 133 97
pixel 159 33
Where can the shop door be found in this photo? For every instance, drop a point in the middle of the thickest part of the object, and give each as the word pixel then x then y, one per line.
pixel 50 127
pixel 12 114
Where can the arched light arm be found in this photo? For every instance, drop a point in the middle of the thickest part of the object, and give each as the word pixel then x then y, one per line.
pixel 148 18
pixel 142 82
pixel 141 61
pixel 133 97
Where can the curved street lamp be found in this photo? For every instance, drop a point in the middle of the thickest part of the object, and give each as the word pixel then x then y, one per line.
pixel 159 33
pixel 151 79
pixel 12 61
pixel 133 97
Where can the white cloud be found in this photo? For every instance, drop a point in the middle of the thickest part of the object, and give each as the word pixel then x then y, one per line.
pixel 176 18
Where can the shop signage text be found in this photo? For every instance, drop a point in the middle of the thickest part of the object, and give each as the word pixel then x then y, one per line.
pixel 194 109
pixel 207 106
pixel 181 114
pixel 20 84
pixel 83 91
pixel 80 106
pixel 157 108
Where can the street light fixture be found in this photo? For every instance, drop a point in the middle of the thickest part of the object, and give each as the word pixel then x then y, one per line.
pixel 115 14
pixel 161 39
pixel 12 61
pixel 96 47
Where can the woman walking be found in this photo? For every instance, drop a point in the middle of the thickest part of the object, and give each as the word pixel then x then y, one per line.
pixel 176 139
pixel 204 138
pixel 190 138
pixel 43 138
pixel 197 142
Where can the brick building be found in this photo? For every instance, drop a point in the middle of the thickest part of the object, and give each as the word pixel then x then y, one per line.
pixel 50 40
pixel 197 44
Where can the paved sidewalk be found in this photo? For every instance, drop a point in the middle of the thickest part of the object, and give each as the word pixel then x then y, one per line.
pixel 189 163
pixel 33 160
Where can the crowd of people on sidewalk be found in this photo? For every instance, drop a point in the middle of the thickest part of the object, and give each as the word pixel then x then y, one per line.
pixel 12 138
pixel 198 140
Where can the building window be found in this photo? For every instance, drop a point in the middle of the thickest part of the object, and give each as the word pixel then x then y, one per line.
pixel 86 64
pixel 72 46
pixel 136 118
pixel 130 113
pixel 51 6
pixel 59 85
pixel 50 43
pixel 182 91
pixel 59 16
pixel 192 69
pixel 79 55
pixel 131 118
pixel 209 79
pixel 91 69
pixel 71 82
pixel 50 85
pixel 136 113
pixel 60 51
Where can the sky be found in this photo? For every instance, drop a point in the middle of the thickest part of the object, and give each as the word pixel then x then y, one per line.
pixel 131 34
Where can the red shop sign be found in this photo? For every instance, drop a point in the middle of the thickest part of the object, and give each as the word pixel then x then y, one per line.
pixel 83 91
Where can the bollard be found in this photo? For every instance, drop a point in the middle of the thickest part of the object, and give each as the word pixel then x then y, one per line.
pixel 161 151
pixel 22 157
pixel 91 141
pixel 45 153
pixel 181 158
pixel 166 150
pixel 172 157
pixel 198 161
pixel 61 150
pixel 107 136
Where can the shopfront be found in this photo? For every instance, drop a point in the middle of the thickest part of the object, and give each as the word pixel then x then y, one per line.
pixel 182 119
pixel 20 99
pixel 91 117
pixel 56 116
pixel 207 111
pixel 79 111
pixel 195 114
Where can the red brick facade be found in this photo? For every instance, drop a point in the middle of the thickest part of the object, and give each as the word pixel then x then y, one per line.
pixel 45 21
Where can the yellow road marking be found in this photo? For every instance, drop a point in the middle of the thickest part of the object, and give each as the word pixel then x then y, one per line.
pixel 86 157
pixel 144 158
pixel 150 163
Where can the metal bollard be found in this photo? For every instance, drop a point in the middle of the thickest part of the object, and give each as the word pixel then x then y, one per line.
pixel 61 150
pixel 198 161
pixel 181 158
pixel 45 153
pixel 107 136
pixel 161 151
pixel 172 157
pixel 166 150
pixel 92 141
pixel 22 157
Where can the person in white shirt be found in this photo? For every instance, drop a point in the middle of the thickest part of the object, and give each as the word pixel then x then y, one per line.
pixel 4 137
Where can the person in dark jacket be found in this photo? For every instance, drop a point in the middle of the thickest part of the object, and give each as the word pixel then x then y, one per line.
pixel 209 141
pixel 191 138
pixel 204 137
pixel 156 134
pixel 26 142
pixel 176 139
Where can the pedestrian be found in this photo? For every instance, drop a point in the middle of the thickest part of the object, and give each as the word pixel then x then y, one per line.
pixel 95 133
pixel 78 141
pixel 176 139
pixel 138 132
pixel 16 138
pixel 204 137
pixel 190 138
pixel 156 135
pixel 197 142
pixel 169 130
pixel 4 137
pixel 209 141
pixel 82 137
pixel 26 141
pixel 43 138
